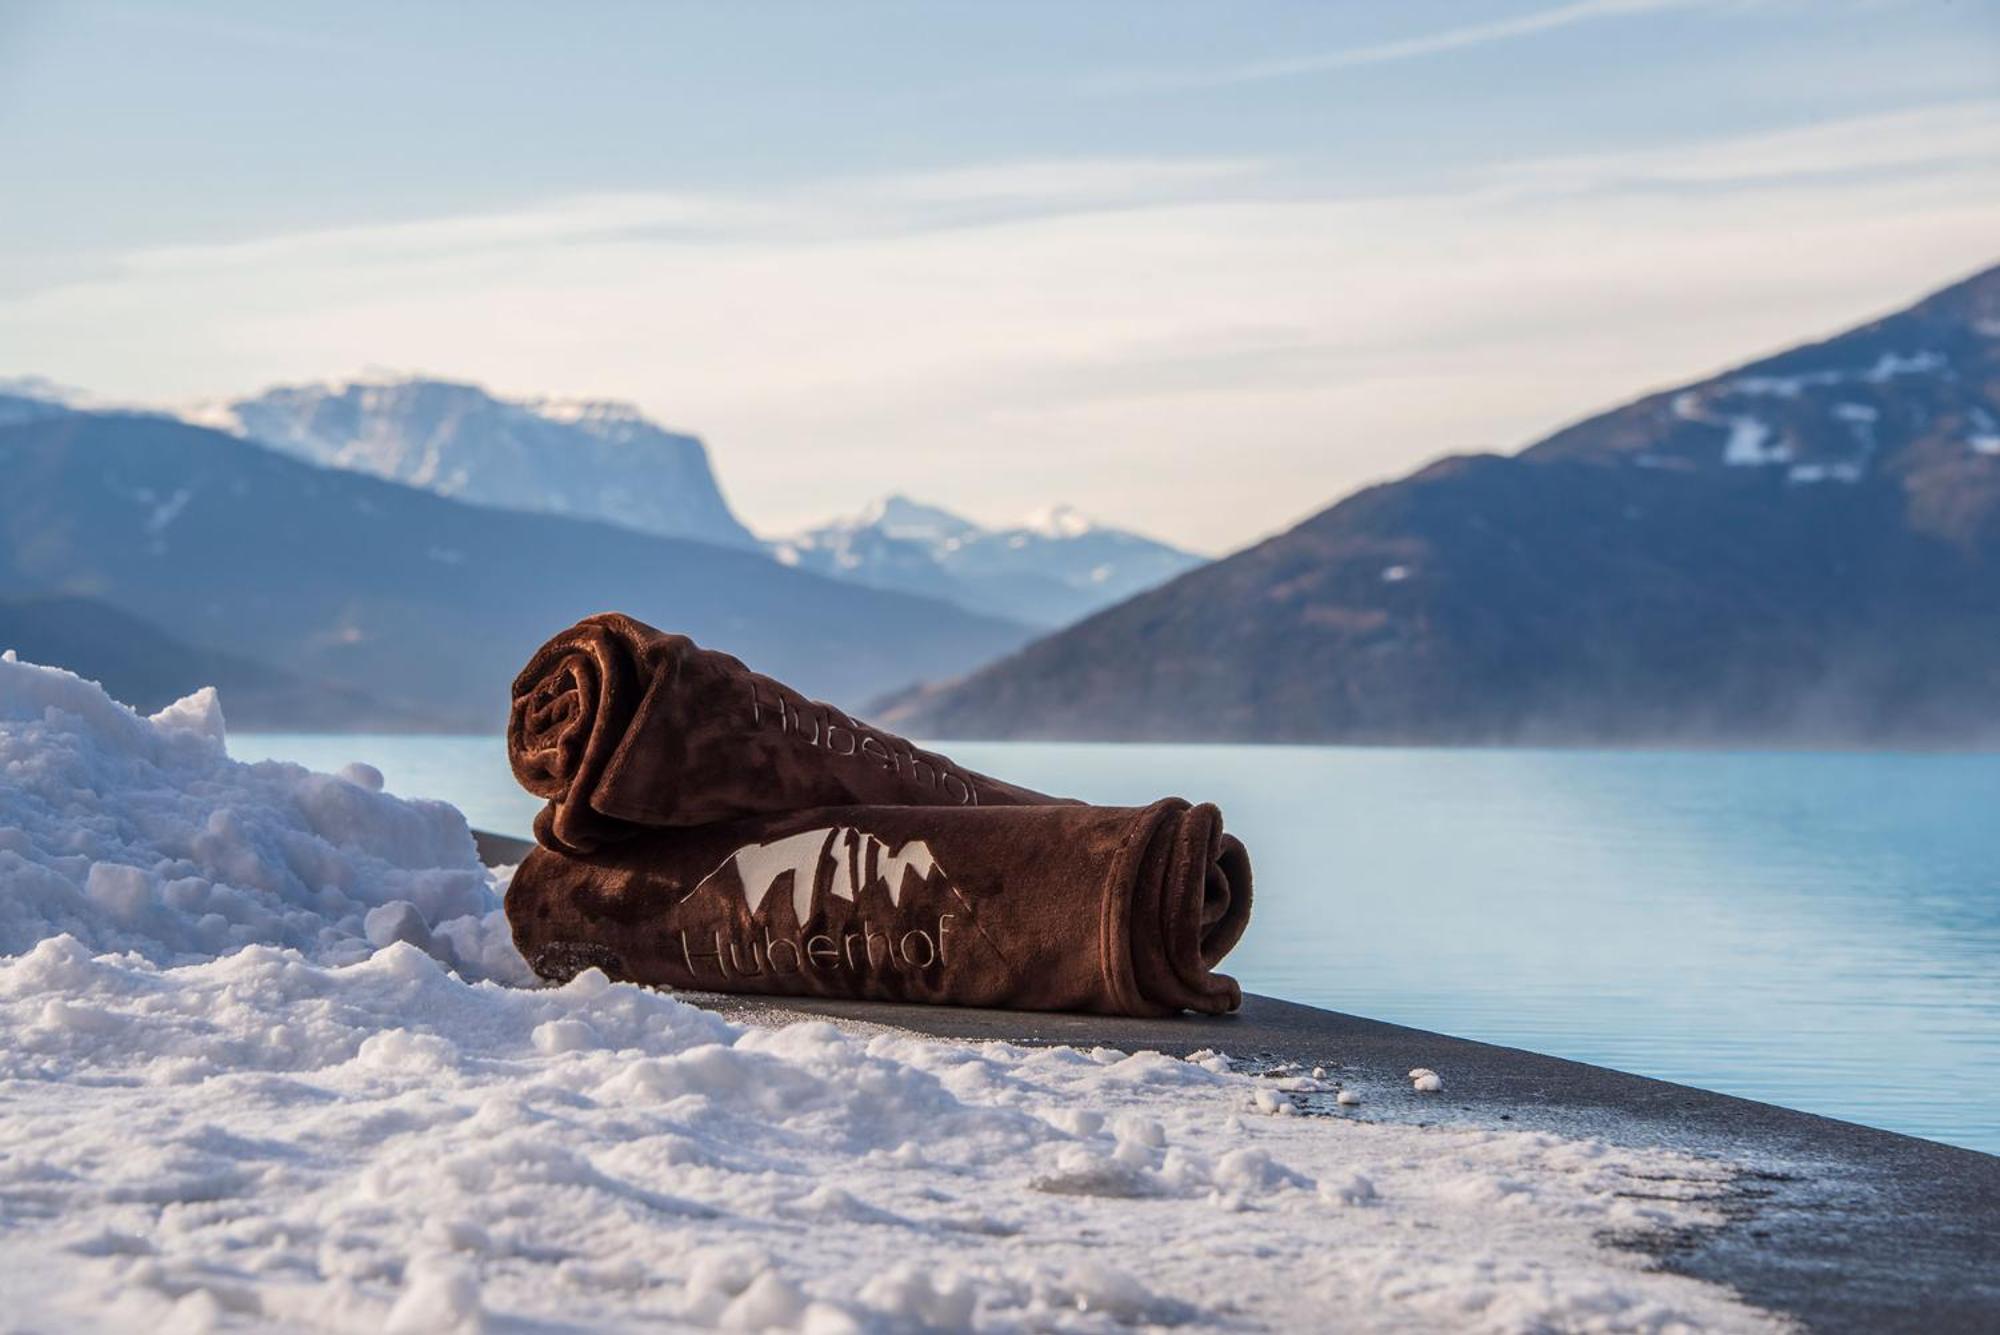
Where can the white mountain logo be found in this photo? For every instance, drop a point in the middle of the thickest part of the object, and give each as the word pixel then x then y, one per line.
pixel 859 860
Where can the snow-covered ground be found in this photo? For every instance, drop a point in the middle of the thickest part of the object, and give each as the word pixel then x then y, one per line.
pixel 269 1063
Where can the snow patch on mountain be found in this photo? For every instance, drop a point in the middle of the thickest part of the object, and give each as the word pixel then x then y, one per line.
pixel 1749 444
pixel 1790 419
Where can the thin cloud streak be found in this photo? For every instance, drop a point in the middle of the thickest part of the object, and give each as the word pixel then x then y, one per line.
pixel 822 211
pixel 1941 136
pixel 1962 133
pixel 1381 53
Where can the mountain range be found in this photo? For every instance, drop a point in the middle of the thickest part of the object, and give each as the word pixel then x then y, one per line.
pixel 967 592
pixel 1803 550
pixel 1048 571
pixel 598 459
pixel 393 602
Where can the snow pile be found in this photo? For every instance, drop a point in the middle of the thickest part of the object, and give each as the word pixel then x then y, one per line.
pixel 141 834
pixel 269 1141
pixel 247 1084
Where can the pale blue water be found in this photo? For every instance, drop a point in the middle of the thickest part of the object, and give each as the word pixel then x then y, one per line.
pixel 1815 930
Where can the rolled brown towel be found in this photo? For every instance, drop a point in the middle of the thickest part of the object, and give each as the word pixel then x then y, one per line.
pixel 1116 910
pixel 621 727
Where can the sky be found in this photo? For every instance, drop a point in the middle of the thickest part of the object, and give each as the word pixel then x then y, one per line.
pixel 1197 269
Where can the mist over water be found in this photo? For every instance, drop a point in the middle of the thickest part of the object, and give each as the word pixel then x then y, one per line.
pixel 1811 929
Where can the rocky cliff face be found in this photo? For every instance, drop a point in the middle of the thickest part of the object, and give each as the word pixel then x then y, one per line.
pixel 591 460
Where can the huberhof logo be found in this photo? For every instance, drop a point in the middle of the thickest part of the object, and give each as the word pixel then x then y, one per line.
pixel 861 864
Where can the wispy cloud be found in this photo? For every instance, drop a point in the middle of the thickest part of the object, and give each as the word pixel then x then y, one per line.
pixel 1380 53
pixel 846 209
pixel 823 210
pixel 1958 133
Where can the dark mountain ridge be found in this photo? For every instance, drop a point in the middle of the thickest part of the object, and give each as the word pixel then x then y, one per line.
pixel 144 667
pixel 1803 550
pixel 423 604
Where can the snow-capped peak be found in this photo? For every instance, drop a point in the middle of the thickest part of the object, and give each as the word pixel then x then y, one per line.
pixel 897 516
pixel 215 414
pixel 1059 521
pixel 1057 567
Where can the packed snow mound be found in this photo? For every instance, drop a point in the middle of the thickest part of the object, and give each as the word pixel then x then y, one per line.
pixel 142 835
pixel 264 1142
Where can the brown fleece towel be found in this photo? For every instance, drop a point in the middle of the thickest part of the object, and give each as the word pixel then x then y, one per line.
pixel 1117 910
pixel 622 727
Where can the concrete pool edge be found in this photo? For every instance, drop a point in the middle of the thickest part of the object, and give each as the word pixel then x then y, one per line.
pixel 1842 1226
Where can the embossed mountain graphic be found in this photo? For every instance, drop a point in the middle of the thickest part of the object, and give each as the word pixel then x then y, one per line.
pixel 859 860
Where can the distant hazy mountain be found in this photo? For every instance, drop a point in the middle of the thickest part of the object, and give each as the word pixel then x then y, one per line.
pixel 589 459
pixel 425 605
pixel 146 668
pixel 1806 549
pixel 1049 571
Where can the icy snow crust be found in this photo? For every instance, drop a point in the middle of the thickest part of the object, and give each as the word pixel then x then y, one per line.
pixel 220 1107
